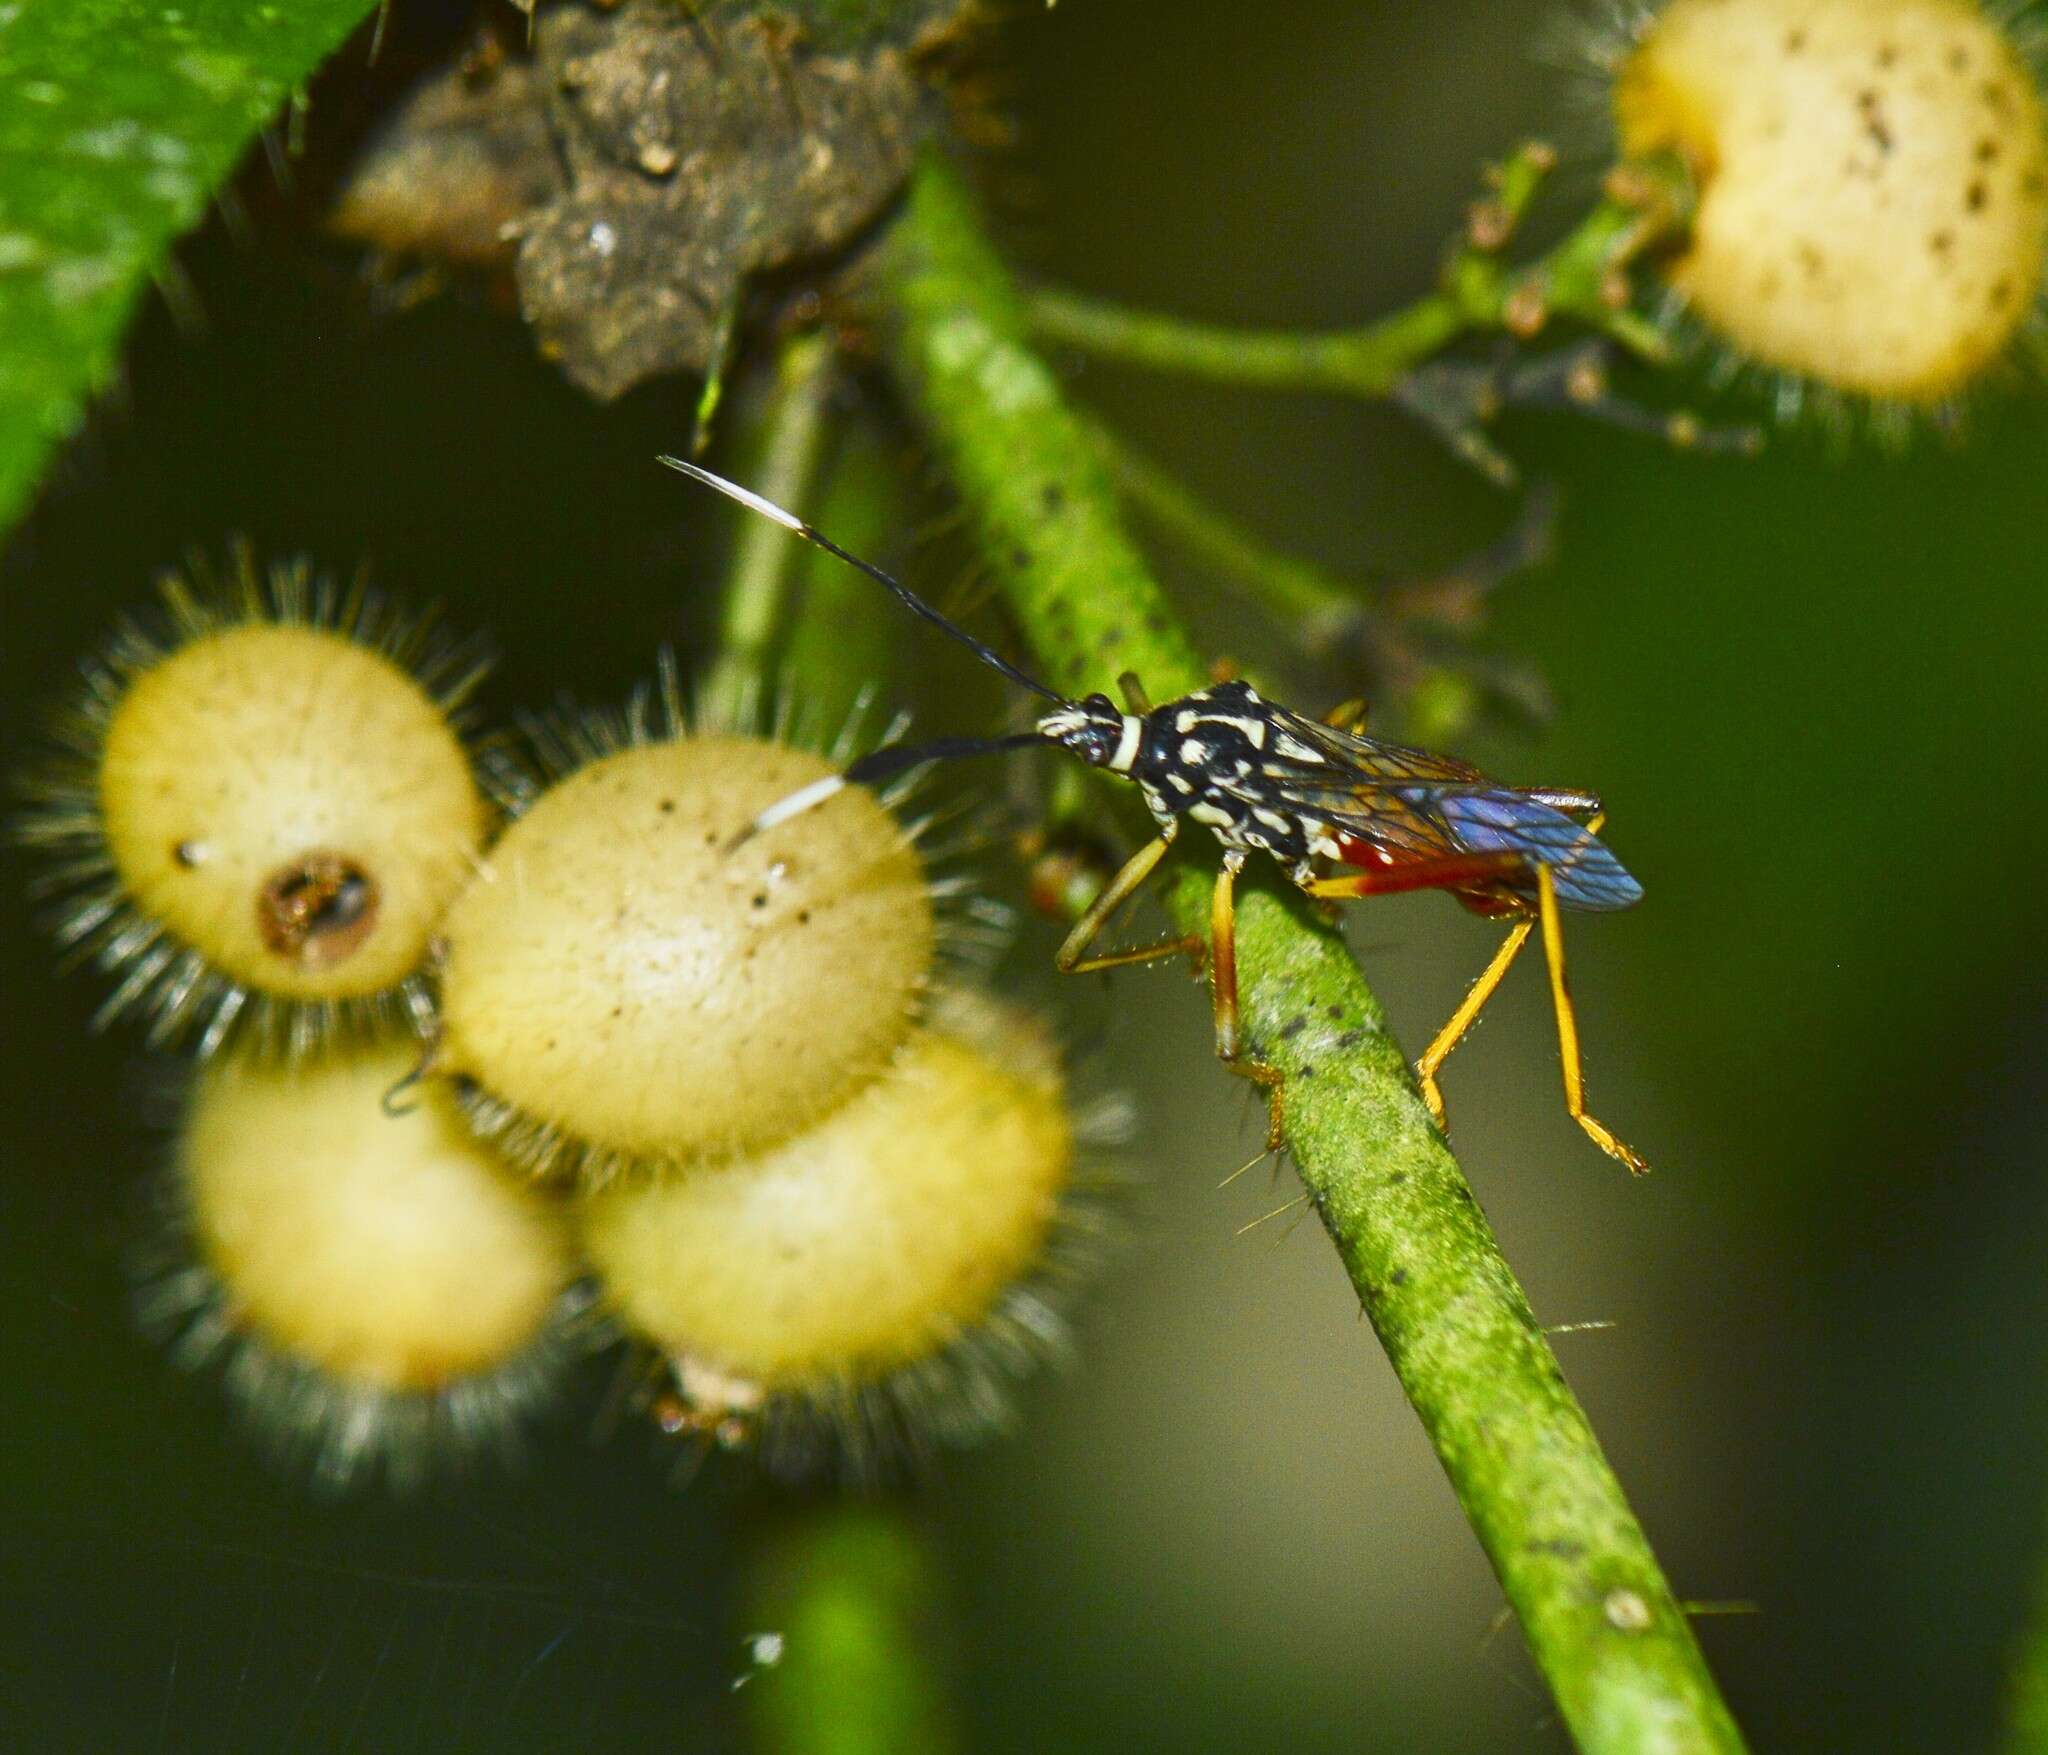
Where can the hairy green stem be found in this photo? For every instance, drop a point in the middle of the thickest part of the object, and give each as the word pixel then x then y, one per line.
pixel 795 438
pixel 1603 1625
pixel 1477 292
pixel 844 1607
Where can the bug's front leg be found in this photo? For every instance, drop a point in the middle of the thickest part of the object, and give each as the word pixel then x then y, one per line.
pixel 1072 957
pixel 1223 998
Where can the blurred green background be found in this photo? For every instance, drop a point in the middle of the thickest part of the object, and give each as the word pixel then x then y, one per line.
pixel 1809 687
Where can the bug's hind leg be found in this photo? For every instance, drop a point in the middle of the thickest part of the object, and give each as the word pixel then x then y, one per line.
pixel 1348 715
pixel 1568 1031
pixel 1467 1014
pixel 1223 999
pixel 1072 957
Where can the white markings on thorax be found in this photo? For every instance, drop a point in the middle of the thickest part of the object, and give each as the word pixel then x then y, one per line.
pixel 1127 745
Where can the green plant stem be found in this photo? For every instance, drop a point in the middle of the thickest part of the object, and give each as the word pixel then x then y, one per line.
pixel 1477 292
pixel 1294 590
pixel 1613 1643
pixel 851 1594
pixel 118 120
pixel 2026 1704
pixel 794 442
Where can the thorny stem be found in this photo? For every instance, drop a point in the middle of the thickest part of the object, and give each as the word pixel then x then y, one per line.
pixel 1580 277
pixel 844 1607
pixel 1599 1618
pixel 762 562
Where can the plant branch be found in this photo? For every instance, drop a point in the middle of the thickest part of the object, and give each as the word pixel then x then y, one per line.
pixel 794 443
pixel 1285 585
pixel 1603 1625
pixel 844 1606
pixel 1583 277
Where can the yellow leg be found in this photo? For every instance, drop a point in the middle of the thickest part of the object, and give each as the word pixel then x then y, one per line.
pixel 1135 698
pixel 1466 1016
pixel 1223 998
pixel 1072 957
pixel 1347 715
pixel 1568 1030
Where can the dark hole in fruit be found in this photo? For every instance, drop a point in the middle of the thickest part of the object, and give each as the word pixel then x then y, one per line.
pixel 317 910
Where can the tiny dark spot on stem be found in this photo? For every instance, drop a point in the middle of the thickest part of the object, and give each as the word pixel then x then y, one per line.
pixel 1292 1028
pixel 1351 1038
pixel 1052 496
pixel 1336 1012
pixel 1795 40
pixel 1399 1277
pixel 668 806
pixel 1976 196
pixel 1562 1547
pixel 1398 1177
pixel 1020 558
pixel 759 899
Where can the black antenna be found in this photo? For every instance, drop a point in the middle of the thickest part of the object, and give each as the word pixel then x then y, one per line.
pixel 908 598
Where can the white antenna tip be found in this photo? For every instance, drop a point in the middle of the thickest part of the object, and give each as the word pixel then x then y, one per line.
pixel 732 490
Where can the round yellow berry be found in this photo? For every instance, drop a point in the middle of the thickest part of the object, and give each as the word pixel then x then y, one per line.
pixel 1872 177
pixel 622 982
pixel 391 1251
pixel 872 1241
pixel 291 805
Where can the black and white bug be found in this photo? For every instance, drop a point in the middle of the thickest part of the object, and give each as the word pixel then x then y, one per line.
pixel 1344 815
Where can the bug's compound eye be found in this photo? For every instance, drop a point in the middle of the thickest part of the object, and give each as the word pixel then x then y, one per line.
pixel 262 808
pixel 378 1283
pixel 1872 183
pixel 631 981
pixel 875 1277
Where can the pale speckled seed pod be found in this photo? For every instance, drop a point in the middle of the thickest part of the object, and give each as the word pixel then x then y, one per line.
pixel 262 805
pixel 380 1286
pixel 1873 183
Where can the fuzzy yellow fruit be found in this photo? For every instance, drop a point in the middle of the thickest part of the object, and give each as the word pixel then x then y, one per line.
pixel 294 807
pixel 391 1251
pixel 1873 182
pixel 868 1243
pixel 622 983
pixel 260 807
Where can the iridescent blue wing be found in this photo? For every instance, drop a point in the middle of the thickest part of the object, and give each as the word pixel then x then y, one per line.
pixel 1502 820
pixel 1413 803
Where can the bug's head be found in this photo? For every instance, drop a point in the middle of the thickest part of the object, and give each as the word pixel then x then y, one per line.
pixel 1092 727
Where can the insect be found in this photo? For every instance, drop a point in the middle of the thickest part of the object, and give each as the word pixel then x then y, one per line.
pixel 1345 815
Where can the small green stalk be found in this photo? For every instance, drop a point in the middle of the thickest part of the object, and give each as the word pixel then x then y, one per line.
pixel 1614 1644
pixel 844 1610
pixel 762 562
pixel 1478 292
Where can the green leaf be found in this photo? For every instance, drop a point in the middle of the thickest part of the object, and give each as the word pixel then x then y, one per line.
pixel 118 119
